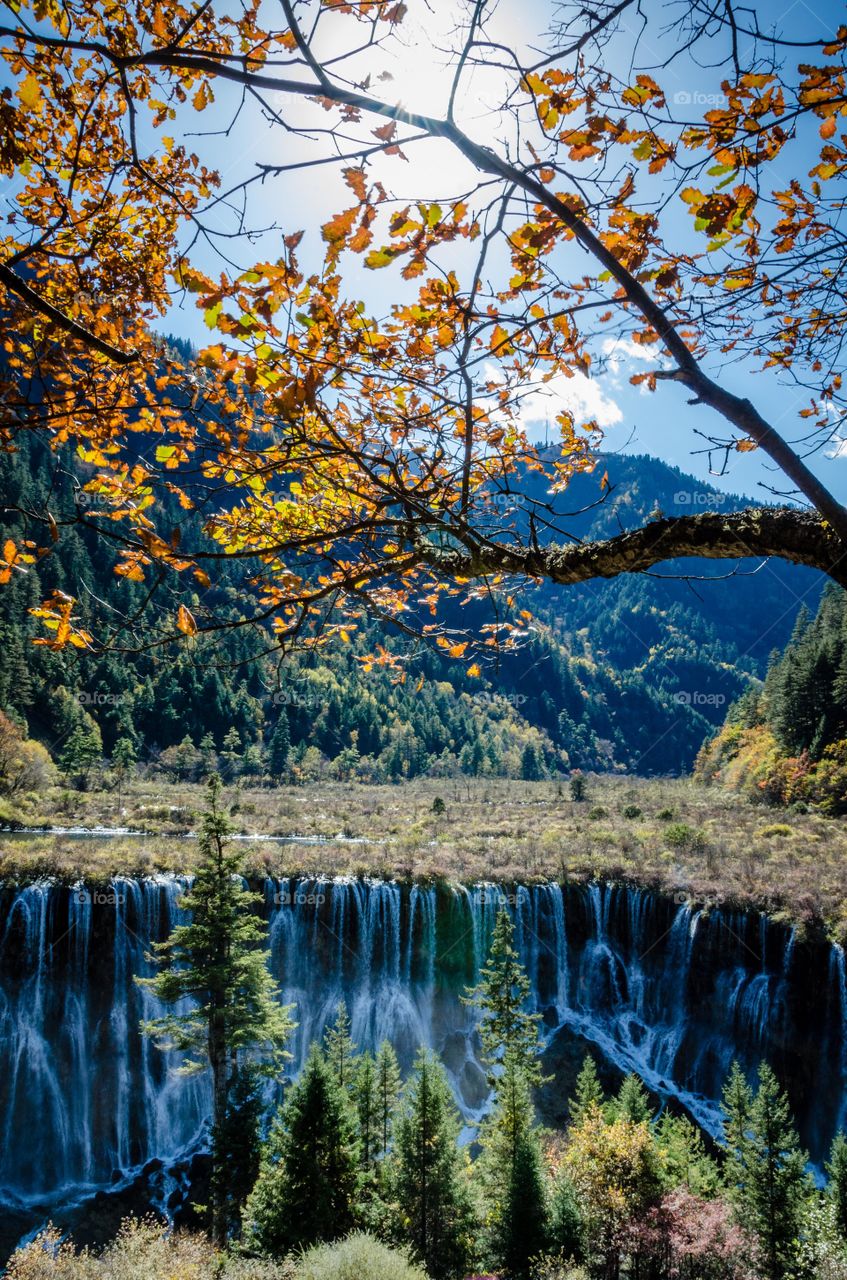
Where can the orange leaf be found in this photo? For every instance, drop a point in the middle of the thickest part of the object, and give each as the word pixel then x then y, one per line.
pixel 185 621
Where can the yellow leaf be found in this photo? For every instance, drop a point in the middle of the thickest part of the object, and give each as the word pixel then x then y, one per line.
pixel 475 671
pixel 29 92
pixel 185 621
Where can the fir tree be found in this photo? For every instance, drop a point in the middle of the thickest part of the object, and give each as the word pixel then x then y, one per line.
pixel 236 1140
pixel 429 1174
pixel 836 1171
pixel 218 960
pixel 587 1094
pixel 366 1102
pixel 511 1174
pixel 309 1183
pixel 632 1100
pixel 502 994
pixel 566 1225
pixel 279 746
pixel 768 1182
pixel 340 1048
pixel 388 1082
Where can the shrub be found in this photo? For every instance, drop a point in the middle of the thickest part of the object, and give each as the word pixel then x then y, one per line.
pixel 598 812
pixel 631 811
pixel 359 1257
pixel 578 787
pixel 140 1251
pixel 665 815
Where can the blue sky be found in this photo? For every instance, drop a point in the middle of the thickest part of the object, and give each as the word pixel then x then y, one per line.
pixel 661 423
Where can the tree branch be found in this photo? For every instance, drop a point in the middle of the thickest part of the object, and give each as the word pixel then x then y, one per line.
pixel 797 536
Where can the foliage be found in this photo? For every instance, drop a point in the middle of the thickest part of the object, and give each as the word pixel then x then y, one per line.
pixel 588 1093
pixel 309 1182
pixel 25 765
pixel 429 1174
pixel 143 1250
pixel 507 1028
pixel 766 1168
pixel 219 962
pixel 359 1257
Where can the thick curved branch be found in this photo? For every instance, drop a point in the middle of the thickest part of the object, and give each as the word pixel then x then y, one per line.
pixel 788 534
pixel 15 284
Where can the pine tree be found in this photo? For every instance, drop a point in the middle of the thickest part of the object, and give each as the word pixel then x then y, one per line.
pixel 388 1082
pixel 279 746
pixel 429 1174
pixel 768 1183
pixel 502 994
pixel 236 1139
pixel 308 1187
pixel 511 1174
pixel 566 1225
pixel 836 1171
pixel 366 1103
pixel 340 1048
pixel 632 1100
pixel 587 1094
pixel 510 1167
pixel 220 961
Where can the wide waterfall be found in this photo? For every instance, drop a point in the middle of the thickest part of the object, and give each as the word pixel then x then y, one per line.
pixel 652 985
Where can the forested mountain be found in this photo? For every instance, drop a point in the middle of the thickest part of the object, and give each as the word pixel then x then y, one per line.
pixel 786 740
pixel 629 674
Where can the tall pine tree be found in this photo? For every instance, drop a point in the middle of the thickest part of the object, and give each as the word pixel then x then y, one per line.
pixel 220 962
pixel 309 1183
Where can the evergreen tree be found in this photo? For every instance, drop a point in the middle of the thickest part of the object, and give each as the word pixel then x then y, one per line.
pixel 511 1174
pixel 566 1234
pixel 685 1161
pixel 429 1174
pixel 836 1171
pixel 236 1139
pixel 510 1167
pixel 587 1094
pixel 220 961
pixel 279 746
pixel 340 1048
pixel 367 1104
pixel 502 994
pixel 83 749
pixel 387 1072
pixel 308 1187
pixel 632 1100
pixel 768 1183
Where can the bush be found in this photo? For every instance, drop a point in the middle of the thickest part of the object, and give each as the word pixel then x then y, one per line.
pixel 598 812
pixel 140 1251
pixel 631 811
pixel 665 815
pixel 359 1257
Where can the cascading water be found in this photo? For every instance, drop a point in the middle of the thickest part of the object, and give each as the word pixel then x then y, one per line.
pixel 655 986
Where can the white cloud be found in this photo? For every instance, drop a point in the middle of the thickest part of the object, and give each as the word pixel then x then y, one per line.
pixel 579 395
pixel 621 351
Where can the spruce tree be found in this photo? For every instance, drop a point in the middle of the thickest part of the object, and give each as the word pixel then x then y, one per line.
pixel 236 1139
pixel 587 1094
pixel 632 1101
pixel 511 1174
pixel 308 1187
pixel 429 1180
pixel 566 1234
pixel 836 1171
pixel 366 1102
pixel 768 1182
pixel 502 994
pixel 340 1048
pixel 218 960
pixel 279 746
pixel 388 1082
pixel 510 1168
